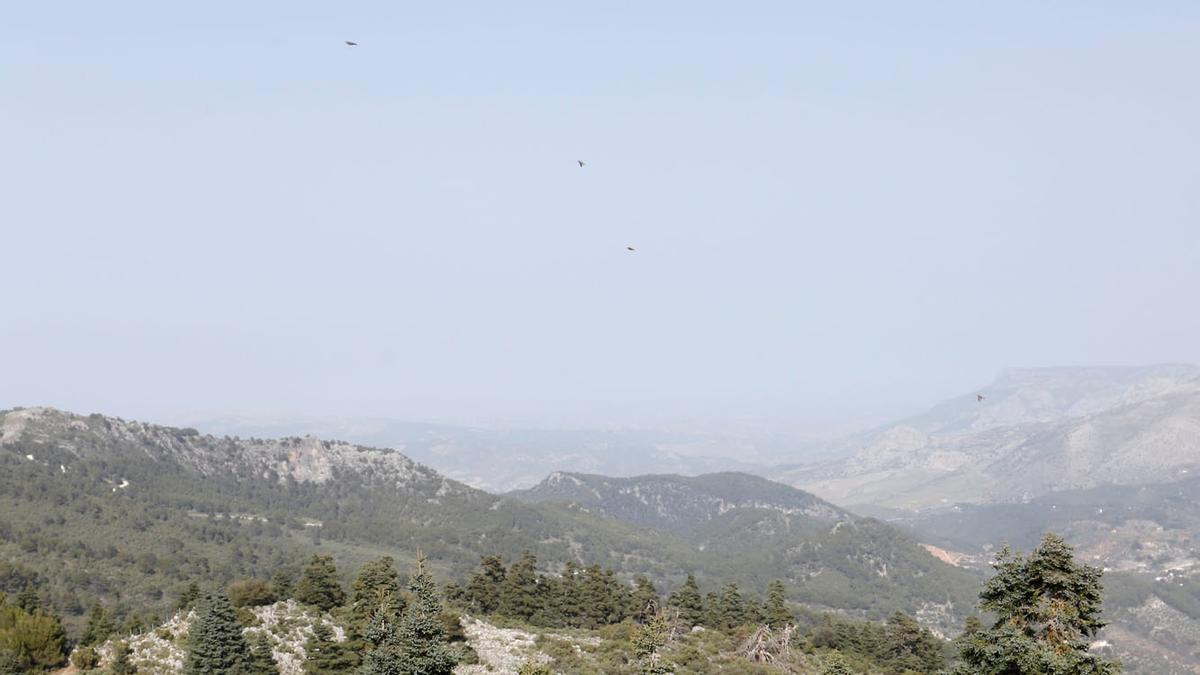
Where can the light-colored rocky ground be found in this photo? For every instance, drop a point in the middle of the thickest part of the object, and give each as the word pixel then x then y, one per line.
pixel 502 651
pixel 288 624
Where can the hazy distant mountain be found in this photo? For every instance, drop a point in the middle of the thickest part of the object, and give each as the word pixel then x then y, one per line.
pixel 1021 396
pixel 682 504
pixel 500 460
pixel 1036 432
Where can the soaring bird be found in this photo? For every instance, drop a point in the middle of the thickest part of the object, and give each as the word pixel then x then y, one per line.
pixel 630 248
pixel 351 44
pixel 581 163
pixel 979 398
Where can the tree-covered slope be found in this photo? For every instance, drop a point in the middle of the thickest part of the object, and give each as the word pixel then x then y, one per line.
pixel 98 507
pixel 758 529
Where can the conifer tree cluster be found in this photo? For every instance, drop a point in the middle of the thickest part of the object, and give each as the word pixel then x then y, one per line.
pixel 590 597
pixel 578 597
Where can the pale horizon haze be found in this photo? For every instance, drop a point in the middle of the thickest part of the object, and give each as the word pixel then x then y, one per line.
pixel 840 211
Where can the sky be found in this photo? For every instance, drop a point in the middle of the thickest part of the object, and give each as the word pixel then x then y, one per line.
pixel 839 210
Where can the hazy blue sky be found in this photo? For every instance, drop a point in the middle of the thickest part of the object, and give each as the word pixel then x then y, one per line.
pixel 839 209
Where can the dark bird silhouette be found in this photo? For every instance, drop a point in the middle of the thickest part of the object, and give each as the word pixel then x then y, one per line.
pixel 581 163
pixel 351 44
pixel 979 398
pixel 630 248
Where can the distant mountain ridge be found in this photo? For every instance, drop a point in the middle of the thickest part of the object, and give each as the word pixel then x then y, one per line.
pixel 1036 431
pixel 1030 395
pixel 680 503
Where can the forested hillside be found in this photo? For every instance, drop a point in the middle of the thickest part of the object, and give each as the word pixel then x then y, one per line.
pixel 98 508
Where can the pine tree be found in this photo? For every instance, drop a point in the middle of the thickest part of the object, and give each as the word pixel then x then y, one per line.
pixel 835 664
pixel 644 600
pixel 649 640
pixel 483 590
pixel 99 626
pixel 776 613
pixel 319 586
pixel 567 596
pixel 188 598
pixel 281 585
pixel 732 609
pixel 376 580
pixel 215 642
pixel 376 585
pixel 1047 609
pixel 121 665
pixel 603 599
pixel 323 655
pixel 548 601
pixel 262 657
pixel 519 590
pixel 28 600
pixel 712 610
pixel 417 645
pixel 906 646
pixel 689 602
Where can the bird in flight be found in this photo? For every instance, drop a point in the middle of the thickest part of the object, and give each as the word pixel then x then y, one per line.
pixel 351 44
pixel 979 398
pixel 630 248
pixel 581 163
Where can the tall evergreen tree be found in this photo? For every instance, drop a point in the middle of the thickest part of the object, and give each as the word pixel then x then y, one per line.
pixel 567 595
pixel 732 608
pixel 262 656
pixel 643 601
pixel 281 585
pixel 649 640
pixel 689 602
pixel 906 646
pixel 215 642
pixel 483 590
pixel 323 655
pixel 319 585
pixel 1047 609
pixel 188 598
pixel 712 610
pixel 519 590
pixel 549 603
pixel 775 612
pixel 417 644
pixel 376 585
pixel 99 626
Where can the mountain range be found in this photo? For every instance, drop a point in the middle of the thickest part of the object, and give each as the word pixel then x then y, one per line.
pixel 145 507
pixel 1034 433
pixel 904 516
